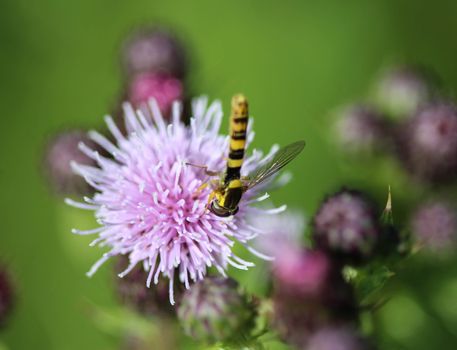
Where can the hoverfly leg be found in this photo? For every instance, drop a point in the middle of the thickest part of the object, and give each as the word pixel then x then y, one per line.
pixel 205 167
pixel 199 190
pixel 213 183
pixel 210 199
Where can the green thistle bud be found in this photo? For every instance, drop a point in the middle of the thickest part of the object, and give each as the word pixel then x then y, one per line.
pixel 215 310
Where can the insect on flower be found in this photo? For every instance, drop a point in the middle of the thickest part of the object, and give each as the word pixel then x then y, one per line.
pixel 147 203
pixel 227 191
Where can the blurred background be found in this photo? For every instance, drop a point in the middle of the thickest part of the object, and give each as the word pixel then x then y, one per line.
pixel 296 61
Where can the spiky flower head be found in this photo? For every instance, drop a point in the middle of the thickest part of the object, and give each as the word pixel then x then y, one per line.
pixel 361 128
pixel 428 143
pixel 149 201
pixel 62 149
pixel 215 310
pixel 164 89
pixel 337 338
pixel 402 90
pixel 154 50
pixel 6 295
pixel 434 226
pixel 346 224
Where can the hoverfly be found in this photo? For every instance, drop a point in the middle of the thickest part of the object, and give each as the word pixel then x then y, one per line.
pixel 227 192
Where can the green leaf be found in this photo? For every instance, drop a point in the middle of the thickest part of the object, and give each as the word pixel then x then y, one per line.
pixel 368 281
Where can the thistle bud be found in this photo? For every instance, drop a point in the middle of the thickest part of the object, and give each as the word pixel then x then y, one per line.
pixel 133 292
pixel 60 152
pixel 434 226
pixel 6 296
pixel 346 225
pixel 361 128
pixel 402 90
pixel 154 51
pixel 215 310
pixel 337 338
pixel 428 144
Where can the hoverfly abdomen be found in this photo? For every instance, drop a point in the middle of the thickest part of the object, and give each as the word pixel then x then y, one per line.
pixel 224 199
pixel 238 125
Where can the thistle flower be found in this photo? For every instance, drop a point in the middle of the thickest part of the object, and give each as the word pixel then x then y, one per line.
pixel 302 272
pixel 428 143
pixel 337 338
pixel 361 128
pixel 402 90
pixel 434 225
pixel 61 151
pixel 6 295
pixel 309 295
pixel 148 200
pixel 346 224
pixel 164 89
pixel 156 51
pixel 215 310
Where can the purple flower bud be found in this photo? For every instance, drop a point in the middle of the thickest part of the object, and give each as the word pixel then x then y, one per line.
pixel 60 152
pixel 434 225
pixel 6 296
pixel 134 293
pixel 156 51
pixel 302 272
pixel 337 338
pixel 402 90
pixel 164 89
pixel 215 310
pixel 309 293
pixel 346 224
pixel 428 143
pixel 361 128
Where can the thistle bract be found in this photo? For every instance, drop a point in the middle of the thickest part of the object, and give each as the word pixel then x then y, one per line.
pixel 215 310
pixel 149 201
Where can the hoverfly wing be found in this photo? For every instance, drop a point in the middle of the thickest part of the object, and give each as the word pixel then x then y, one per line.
pixel 283 157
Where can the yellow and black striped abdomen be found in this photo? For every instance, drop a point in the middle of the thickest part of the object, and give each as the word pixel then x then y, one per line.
pixel 238 125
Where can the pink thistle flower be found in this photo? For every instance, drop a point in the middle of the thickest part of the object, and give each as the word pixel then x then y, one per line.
pixel 164 89
pixel 147 202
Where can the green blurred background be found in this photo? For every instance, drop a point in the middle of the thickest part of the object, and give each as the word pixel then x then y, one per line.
pixel 295 60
